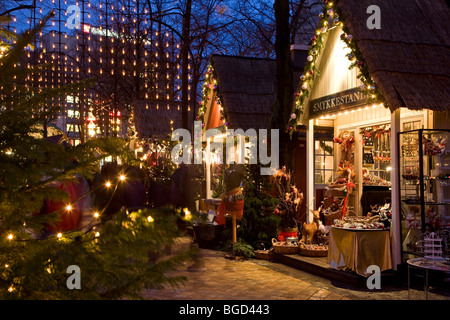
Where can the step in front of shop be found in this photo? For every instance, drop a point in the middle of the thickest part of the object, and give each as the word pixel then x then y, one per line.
pixel 319 267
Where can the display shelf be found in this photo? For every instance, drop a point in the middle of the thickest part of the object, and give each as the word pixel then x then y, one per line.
pixel 424 178
pixel 376 155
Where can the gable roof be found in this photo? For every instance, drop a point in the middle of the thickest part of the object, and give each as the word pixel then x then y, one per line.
pixel 153 118
pixel 408 56
pixel 247 89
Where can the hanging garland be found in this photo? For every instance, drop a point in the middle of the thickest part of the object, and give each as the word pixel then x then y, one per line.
pixel 210 89
pixel 329 18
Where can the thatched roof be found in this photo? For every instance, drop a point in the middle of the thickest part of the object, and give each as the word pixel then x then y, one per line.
pixel 153 118
pixel 408 56
pixel 247 89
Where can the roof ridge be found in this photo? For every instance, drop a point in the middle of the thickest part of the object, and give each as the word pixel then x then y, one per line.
pixel 241 57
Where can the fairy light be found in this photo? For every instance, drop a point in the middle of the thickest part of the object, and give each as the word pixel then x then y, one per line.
pixel 150 219
pixel 10 236
pixel 59 235
pixel 97 234
pixel 122 177
pixel 69 207
pixel 96 215
pixel 108 184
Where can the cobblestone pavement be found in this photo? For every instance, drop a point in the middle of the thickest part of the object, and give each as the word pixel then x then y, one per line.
pixel 214 277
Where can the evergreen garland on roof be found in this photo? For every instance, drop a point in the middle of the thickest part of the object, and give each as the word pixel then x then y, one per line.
pixel 330 17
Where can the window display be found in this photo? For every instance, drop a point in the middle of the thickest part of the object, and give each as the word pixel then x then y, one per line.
pixel 376 155
pixel 424 162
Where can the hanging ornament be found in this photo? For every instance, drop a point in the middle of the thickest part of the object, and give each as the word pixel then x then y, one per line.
pixel 314 52
pixel 293 116
pixel 349 37
pixel 305 86
pixel 302 77
pixel 323 29
pixel 336 22
pixel 330 12
pixel 310 58
pixel 343 36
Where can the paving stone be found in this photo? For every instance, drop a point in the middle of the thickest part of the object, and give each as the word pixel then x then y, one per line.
pixel 225 279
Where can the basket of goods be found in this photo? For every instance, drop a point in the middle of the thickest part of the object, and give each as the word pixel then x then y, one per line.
pixel 265 254
pixel 285 247
pixel 313 250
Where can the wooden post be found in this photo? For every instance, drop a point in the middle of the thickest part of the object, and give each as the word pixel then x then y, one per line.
pixel 395 192
pixel 234 233
pixel 310 196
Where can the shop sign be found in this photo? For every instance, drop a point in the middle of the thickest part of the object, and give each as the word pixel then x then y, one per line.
pixel 337 102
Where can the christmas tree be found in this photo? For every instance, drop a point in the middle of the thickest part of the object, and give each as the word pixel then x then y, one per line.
pixel 259 223
pixel 44 256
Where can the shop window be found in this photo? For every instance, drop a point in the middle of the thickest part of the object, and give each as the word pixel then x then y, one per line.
pixel 323 161
pixel 376 141
pixel 412 125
